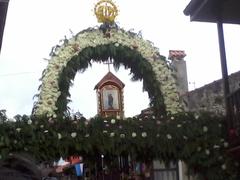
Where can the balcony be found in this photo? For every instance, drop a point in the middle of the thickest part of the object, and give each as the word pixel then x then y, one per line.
pixel 220 12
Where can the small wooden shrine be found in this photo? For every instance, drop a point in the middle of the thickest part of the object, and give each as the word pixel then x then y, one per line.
pixel 110 96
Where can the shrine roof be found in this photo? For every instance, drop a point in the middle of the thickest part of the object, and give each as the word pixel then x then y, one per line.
pixel 110 77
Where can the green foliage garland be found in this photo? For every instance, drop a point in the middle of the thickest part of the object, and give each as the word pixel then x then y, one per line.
pixel 199 141
pixel 125 48
pixel 141 69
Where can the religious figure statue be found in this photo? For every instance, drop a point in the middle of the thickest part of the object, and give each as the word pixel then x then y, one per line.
pixel 110 101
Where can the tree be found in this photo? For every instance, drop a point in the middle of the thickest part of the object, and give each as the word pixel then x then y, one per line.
pixel 3 116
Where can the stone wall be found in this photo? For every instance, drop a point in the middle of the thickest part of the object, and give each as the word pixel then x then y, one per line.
pixel 210 96
pixel 180 70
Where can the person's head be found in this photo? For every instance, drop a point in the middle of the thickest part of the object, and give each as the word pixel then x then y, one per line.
pixel 19 167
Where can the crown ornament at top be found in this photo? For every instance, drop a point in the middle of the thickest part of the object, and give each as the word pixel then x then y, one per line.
pixel 105 11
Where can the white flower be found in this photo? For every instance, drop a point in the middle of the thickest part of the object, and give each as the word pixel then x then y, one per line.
pixel 196 116
pixel 46 131
pixel 223 167
pixel 134 134
pixel 216 146
pixel 50 120
pixel 225 144
pixel 59 136
pixel 169 136
pixel 158 122
pixel 153 117
pixel 205 128
pixel 87 135
pixel 185 137
pixel 112 134
pixel 199 149
pixel 73 134
pixel 86 123
pixel 158 135
pixel 42 126
pixel 179 125
pixel 172 118
pixel 15 141
pixel 29 121
pixel 144 134
pixel 113 121
pixel 18 129
pixel 122 135
pixel 207 152
pixel 104 131
pixel 220 125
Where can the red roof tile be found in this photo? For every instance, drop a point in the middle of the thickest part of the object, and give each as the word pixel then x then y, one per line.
pixel 176 54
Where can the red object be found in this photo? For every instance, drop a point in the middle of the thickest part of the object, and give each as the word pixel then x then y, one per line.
pixel 176 54
pixel 232 133
pixel 75 159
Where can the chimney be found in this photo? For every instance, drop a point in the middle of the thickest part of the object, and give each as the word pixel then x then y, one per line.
pixel 180 69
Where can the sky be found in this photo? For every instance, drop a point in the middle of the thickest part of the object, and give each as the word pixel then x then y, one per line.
pixel 33 27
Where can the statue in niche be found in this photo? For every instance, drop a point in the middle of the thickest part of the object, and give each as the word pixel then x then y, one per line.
pixel 110 101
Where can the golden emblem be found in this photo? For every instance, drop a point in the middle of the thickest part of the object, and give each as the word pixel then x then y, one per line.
pixel 106 11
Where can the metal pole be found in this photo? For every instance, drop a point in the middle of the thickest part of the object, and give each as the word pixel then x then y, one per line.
pixel 102 156
pixel 226 89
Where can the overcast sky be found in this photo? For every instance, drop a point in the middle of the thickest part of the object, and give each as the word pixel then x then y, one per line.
pixel 33 27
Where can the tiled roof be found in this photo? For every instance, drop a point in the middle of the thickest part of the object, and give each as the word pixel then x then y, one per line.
pixel 176 54
pixel 109 77
pixel 207 11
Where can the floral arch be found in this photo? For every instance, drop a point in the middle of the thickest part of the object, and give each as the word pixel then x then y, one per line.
pixel 98 44
pixel 197 139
